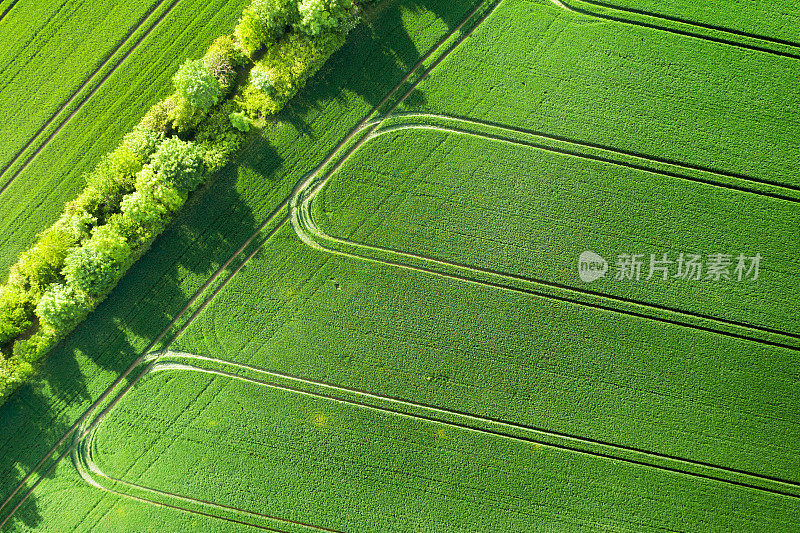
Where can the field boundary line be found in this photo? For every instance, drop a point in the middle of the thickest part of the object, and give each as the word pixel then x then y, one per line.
pixel 83 458
pixel 370 118
pixel 602 154
pixel 312 235
pixel 6 10
pixel 674 25
pixel 76 95
pixel 672 18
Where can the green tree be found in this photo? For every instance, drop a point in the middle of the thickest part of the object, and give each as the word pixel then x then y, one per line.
pixel 195 83
pixel 275 16
pixel 142 142
pixel 160 190
pixel 157 117
pixel 248 32
pixel 15 313
pixel 143 216
pixel 263 78
pixel 13 373
pixel 123 164
pixel 39 266
pixel 240 121
pixel 179 164
pixel 95 267
pixel 61 307
pixel 183 116
pixel 88 271
pixel 317 16
pixel 77 222
pixel 265 21
pixel 226 46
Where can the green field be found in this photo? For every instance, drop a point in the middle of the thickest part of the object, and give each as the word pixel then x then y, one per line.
pixel 761 21
pixel 322 450
pixel 510 211
pixel 373 320
pixel 103 112
pixel 50 51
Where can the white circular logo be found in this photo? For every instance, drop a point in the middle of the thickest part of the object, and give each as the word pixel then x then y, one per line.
pixel 591 266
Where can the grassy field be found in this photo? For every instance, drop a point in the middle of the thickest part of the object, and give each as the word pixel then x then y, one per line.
pixel 696 102
pixel 185 264
pixel 321 455
pixel 529 212
pixel 49 50
pixel 104 112
pixel 390 328
pixel 767 21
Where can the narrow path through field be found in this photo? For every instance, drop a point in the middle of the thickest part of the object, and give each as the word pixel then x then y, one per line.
pixel 436 54
pixel 84 460
pixel 606 154
pixel 723 29
pixel 83 99
pixel 82 454
pixel 717 34
pixel 7 9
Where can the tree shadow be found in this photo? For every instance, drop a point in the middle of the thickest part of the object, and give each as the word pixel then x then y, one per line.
pixel 215 222
pixel 378 53
pixel 210 228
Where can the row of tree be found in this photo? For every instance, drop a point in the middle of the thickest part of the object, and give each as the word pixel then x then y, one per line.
pixel 135 190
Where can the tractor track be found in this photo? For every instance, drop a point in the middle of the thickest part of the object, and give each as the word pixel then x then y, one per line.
pixel 84 460
pixel 76 95
pixel 295 202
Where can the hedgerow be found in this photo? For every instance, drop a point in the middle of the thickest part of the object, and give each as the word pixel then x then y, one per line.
pixel 136 189
pixel 317 16
pixel 285 69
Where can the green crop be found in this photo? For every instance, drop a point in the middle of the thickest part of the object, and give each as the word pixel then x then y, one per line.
pixel 372 319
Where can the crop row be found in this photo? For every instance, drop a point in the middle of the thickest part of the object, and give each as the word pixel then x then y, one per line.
pixel 531 211
pixel 214 224
pixel 348 467
pixel 558 366
pixel 49 49
pixel 696 102
pixel 774 20
pixel 136 190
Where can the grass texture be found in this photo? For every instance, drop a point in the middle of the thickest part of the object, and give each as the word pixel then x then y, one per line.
pixel 36 196
pixel 221 218
pixel 779 21
pixel 49 50
pixel 408 346
pixel 529 211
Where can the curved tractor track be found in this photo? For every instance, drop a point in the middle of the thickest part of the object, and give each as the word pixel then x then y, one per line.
pixel 310 233
pixel 85 459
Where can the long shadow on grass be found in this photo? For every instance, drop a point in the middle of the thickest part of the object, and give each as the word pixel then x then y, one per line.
pixel 384 46
pixel 212 226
